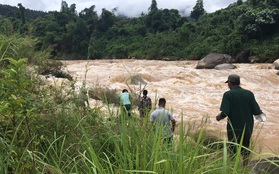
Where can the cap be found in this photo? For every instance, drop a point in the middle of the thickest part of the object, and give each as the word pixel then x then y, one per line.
pixel 233 78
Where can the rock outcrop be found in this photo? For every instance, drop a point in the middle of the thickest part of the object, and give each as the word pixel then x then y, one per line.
pixel 225 66
pixel 245 57
pixel 254 59
pixel 212 60
pixel 242 57
pixel 276 64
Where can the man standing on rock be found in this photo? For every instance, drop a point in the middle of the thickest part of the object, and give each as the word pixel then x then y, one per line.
pixel 238 105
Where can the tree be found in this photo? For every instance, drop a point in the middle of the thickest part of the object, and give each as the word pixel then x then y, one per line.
pixel 153 19
pixel 198 10
pixel 258 24
pixel 90 16
pixel 64 7
pixel 77 32
pixel 157 23
pixel 22 15
pixel 72 10
pixel 239 2
pixel 96 47
pixel 107 19
pixel 253 2
pixel 153 6
pixel 274 3
pixel 62 19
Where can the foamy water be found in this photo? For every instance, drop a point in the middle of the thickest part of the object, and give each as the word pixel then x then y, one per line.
pixel 193 93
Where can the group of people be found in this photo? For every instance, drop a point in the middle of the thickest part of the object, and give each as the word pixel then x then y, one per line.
pixel 145 103
pixel 160 116
pixel 238 106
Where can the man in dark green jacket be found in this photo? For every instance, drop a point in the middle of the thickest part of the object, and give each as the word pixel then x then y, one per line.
pixel 239 105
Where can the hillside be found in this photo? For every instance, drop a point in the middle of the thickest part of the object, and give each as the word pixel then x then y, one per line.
pixel 13 12
pixel 252 25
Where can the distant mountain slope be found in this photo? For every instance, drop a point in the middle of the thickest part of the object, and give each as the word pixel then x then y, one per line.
pixel 12 11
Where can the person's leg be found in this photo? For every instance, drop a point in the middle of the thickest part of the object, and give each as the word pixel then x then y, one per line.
pixel 141 113
pixel 168 141
pixel 232 147
pixel 245 152
pixel 245 143
pixel 128 109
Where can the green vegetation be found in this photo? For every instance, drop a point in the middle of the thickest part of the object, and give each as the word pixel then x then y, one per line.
pixel 249 25
pixel 43 129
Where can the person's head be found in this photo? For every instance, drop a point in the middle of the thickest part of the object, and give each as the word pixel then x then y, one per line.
pixel 162 102
pixel 124 90
pixel 233 80
pixel 145 92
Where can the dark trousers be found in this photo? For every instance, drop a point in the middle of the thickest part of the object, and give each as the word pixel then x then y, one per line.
pixel 237 139
pixel 128 108
pixel 168 141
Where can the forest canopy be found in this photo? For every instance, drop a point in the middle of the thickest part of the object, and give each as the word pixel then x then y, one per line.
pixel 251 25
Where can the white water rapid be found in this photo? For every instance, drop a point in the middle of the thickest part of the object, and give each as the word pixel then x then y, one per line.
pixel 193 93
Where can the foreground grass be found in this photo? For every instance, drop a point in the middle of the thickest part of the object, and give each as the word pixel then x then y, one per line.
pixel 118 145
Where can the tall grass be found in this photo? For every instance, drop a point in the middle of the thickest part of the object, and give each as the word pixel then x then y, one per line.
pixel 17 47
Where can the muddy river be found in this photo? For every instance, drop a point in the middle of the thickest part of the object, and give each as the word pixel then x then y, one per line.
pixel 193 94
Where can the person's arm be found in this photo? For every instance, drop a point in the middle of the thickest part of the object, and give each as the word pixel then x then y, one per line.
pixel 172 120
pixel 225 107
pixel 221 116
pixel 255 106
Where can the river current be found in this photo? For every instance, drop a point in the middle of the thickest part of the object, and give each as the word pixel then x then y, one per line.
pixel 192 93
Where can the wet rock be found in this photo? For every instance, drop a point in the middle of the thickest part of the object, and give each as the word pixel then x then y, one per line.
pixel 137 80
pixel 269 165
pixel 254 59
pixel 225 66
pixel 166 59
pixel 276 64
pixel 242 57
pixel 212 60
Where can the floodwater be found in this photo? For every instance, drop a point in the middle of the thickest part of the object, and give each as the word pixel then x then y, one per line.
pixel 193 94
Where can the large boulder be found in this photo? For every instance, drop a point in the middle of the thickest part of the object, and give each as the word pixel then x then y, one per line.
pixel 225 66
pixel 212 60
pixel 276 64
pixel 242 57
